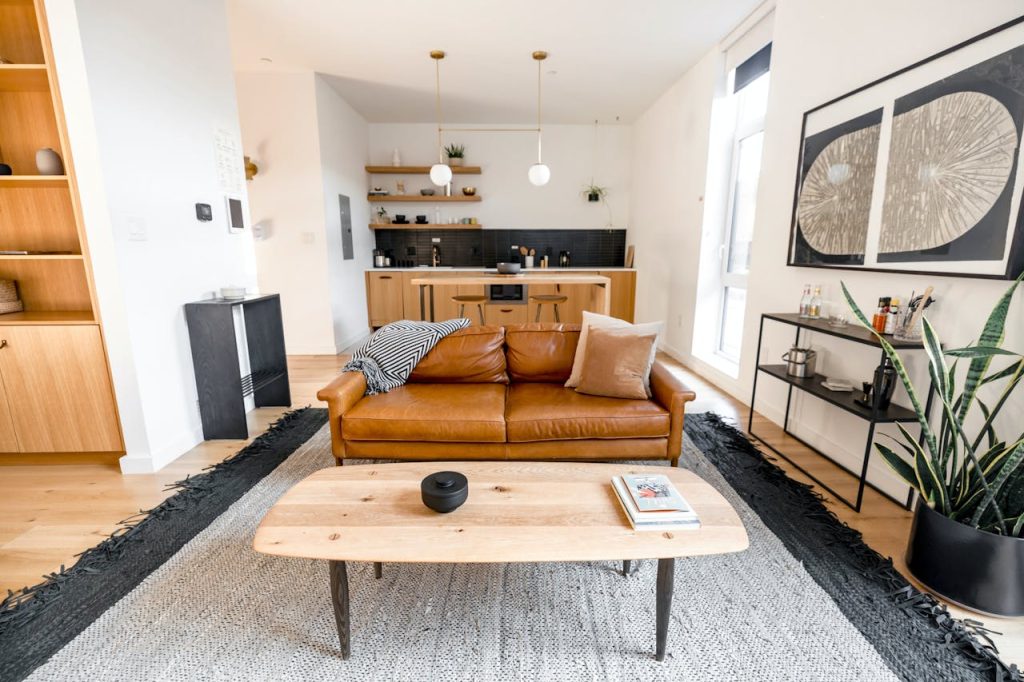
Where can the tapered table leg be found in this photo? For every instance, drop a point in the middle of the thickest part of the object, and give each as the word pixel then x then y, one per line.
pixel 666 581
pixel 625 568
pixel 378 569
pixel 339 599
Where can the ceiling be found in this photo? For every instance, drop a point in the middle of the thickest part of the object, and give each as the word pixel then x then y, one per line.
pixel 610 59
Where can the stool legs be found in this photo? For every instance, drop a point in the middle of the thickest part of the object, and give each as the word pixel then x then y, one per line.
pixel 536 318
pixel 480 307
pixel 462 310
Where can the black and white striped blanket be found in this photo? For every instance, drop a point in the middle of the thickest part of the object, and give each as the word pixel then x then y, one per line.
pixel 389 356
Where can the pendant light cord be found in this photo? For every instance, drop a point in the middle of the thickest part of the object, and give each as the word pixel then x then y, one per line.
pixel 437 102
pixel 538 114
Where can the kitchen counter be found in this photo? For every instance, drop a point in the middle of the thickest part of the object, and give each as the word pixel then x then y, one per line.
pixel 530 271
pixel 602 300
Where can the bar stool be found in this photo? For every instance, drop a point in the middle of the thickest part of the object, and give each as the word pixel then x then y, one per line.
pixel 463 299
pixel 544 299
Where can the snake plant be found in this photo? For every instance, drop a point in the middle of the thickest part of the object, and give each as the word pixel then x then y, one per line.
pixel 975 478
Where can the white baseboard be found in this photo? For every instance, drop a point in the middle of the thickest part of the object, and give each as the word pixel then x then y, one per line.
pixel 353 342
pixel 878 472
pixel 160 457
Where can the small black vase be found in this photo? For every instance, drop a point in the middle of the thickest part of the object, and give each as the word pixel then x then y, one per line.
pixel 884 385
pixel 444 491
pixel 5 169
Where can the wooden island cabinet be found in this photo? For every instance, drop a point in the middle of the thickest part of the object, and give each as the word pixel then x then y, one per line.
pixel 391 296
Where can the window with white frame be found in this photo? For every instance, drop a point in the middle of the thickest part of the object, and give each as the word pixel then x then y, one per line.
pixel 748 85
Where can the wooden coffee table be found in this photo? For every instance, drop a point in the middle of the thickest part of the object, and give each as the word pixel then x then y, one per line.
pixel 516 512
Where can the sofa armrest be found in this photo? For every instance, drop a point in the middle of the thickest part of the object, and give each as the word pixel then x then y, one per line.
pixel 672 394
pixel 346 390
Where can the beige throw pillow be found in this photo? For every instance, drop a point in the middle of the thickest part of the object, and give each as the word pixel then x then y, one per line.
pixel 596 321
pixel 616 364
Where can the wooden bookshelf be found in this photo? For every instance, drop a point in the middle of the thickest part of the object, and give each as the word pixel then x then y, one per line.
pixel 420 199
pixel 56 384
pixel 419 170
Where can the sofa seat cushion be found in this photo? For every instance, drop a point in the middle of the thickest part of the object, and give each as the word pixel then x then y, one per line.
pixel 454 413
pixel 540 412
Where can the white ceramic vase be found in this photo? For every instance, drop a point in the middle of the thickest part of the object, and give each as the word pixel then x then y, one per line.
pixel 48 162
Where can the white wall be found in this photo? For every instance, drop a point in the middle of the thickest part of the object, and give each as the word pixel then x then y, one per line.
pixel 279 119
pixel 310 146
pixel 575 154
pixel 343 138
pixel 820 51
pixel 148 87
pixel 670 153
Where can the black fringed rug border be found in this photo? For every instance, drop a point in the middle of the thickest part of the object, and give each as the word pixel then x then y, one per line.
pixel 913 633
pixel 37 622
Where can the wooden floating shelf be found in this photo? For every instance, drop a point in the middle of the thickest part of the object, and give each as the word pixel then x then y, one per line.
pixel 33 181
pixel 419 199
pixel 41 256
pixel 420 170
pixel 424 226
pixel 23 77
pixel 44 317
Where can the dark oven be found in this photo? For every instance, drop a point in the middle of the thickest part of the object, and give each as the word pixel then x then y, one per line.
pixel 507 293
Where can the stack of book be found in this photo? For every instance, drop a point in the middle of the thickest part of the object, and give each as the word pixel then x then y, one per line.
pixel 653 503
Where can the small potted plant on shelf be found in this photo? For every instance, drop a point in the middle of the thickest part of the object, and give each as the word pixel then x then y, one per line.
pixel 382 216
pixel 967 541
pixel 594 192
pixel 456 153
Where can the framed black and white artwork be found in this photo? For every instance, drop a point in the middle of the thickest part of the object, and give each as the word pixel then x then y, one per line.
pixel 919 171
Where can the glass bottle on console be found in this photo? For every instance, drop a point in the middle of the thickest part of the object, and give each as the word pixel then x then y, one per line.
pixel 805 301
pixel 814 308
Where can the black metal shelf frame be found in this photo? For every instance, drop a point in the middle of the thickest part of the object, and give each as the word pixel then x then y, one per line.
pixel 873 416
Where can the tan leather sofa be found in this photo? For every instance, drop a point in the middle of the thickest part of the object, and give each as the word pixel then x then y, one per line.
pixel 497 393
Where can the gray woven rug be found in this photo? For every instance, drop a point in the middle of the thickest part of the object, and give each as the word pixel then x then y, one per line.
pixel 216 610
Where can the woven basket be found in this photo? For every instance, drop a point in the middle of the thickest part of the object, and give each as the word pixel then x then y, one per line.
pixel 10 307
pixel 8 291
pixel 9 302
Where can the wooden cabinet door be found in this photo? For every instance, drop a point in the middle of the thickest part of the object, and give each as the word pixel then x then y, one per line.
pixel 58 389
pixel 384 297
pixel 444 307
pixel 623 293
pixel 8 438
pixel 505 314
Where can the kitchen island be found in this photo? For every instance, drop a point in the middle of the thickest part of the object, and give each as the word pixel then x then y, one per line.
pixel 392 295
pixel 544 277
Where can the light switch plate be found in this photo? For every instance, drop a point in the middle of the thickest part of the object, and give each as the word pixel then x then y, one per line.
pixel 137 231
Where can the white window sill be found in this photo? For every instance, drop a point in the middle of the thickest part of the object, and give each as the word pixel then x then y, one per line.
pixel 725 365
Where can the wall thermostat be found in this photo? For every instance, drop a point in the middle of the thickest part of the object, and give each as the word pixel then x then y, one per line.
pixel 204 213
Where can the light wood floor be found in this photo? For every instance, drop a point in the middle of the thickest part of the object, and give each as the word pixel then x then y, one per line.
pixel 48 514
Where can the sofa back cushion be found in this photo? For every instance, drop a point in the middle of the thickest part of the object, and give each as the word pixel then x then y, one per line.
pixel 474 355
pixel 541 352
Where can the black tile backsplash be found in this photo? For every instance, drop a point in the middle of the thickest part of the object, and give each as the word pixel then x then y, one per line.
pixel 484 248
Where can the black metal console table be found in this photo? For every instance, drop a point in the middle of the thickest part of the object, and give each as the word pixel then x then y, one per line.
pixel 843 400
pixel 222 388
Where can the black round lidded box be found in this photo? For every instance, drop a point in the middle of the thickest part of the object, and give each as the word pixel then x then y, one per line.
pixel 444 491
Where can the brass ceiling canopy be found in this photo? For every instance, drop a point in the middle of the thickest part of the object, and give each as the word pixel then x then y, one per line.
pixel 437 54
pixel 539 55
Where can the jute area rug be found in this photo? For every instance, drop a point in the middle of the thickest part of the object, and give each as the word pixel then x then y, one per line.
pixel 807 601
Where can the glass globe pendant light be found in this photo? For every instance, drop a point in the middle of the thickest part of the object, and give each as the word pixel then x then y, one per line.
pixel 440 172
pixel 539 173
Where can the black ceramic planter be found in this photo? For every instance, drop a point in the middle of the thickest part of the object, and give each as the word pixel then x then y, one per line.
pixel 981 571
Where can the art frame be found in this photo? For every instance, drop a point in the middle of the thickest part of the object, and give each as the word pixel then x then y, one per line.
pixel 919 171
